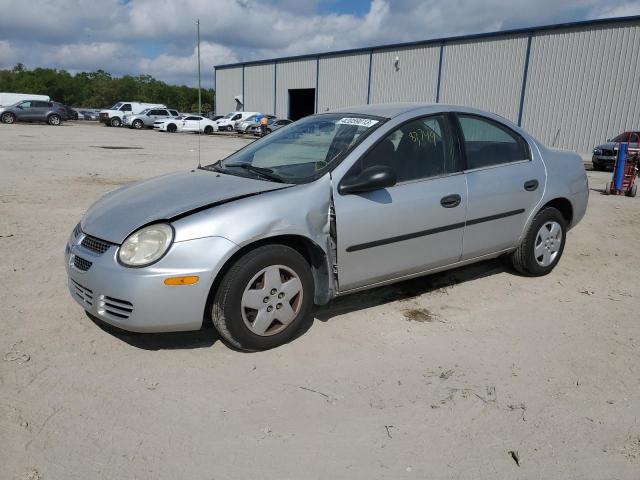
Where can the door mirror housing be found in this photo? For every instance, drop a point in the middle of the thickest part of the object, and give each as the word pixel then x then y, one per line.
pixel 372 178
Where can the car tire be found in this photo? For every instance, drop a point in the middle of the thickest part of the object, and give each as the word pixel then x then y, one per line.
pixel 543 244
pixel 115 122
pixel 8 117
pixel 276 279
pixel 171 128
pixel 208 130
pixel 137 124
pixel 54 120
pixel 633 192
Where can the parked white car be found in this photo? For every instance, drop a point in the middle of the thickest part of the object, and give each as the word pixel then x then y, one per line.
pixel 114 116
pixel 8 99
pixel 228 122
pixel 186 123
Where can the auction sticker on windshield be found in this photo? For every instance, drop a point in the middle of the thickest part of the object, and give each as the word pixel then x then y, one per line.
pixel 361 122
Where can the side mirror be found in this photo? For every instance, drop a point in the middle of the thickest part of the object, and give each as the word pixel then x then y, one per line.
pixel 372 178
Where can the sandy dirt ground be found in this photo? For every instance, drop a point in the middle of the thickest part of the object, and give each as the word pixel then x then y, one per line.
pixel 476 373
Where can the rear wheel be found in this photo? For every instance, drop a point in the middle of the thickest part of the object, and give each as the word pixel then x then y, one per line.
pixel 116 122
pixel 53 119
pixel 171 128
pixel 208 129
pixel 543 244
pixel 264 299
pixel 8 117
pixel 633 192
pixel 137 124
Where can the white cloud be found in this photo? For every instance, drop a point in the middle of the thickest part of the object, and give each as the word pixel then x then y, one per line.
pixel 158 36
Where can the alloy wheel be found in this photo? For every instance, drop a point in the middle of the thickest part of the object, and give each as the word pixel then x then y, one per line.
pixel 548 243
pixel 271 300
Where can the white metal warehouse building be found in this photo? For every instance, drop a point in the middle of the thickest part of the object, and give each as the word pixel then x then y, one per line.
pixel 570 85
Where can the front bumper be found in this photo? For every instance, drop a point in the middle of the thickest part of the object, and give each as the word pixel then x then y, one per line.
pixel 136 299
pixel 603 161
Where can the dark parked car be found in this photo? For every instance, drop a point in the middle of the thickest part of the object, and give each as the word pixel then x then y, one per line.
pixel 71 113
pixel 34 111
pixel 604 156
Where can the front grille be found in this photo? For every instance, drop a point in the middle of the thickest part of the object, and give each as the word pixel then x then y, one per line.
pixel 95 244
pixel 81 263
pixel 82 293
pixel 114 307
pixel 608 153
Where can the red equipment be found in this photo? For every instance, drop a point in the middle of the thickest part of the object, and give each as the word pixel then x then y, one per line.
pixel 629 184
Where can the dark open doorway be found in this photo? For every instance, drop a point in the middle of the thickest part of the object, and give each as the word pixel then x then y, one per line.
pixel 302 102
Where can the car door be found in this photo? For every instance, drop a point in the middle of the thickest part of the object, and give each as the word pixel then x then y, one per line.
pixel 191 124
pixel 506 181
pixel 415 225
pixel 24 111
pixel 39 110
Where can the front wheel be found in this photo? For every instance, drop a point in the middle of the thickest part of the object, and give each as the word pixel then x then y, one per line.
pixel 53 119
pixel 208 130
pixel 633 191
pixel 8 118
pixel 115 122
pixel 543 244
pixel 264 299
pixel 171 128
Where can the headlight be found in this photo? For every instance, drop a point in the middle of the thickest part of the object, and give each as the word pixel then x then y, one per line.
pixel 146 246
pixel 597 151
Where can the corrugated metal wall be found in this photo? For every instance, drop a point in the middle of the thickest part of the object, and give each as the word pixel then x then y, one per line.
pixel 292 74
pixel 583 85
pixel 414 80
pixel 259 88
pixel 228 86
pixel 344 81
pixel 485 74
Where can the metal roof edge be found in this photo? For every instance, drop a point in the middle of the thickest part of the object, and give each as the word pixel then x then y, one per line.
pixel 437 41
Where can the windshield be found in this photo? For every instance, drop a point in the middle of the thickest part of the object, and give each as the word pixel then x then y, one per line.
pixel 116 106
pixel 301 151
pixel 229 115
pixel 624 137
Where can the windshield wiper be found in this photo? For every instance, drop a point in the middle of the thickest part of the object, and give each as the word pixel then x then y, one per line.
pixel 263 172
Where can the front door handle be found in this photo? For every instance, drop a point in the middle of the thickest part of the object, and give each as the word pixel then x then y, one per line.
pixel 451 201
pixel 531 185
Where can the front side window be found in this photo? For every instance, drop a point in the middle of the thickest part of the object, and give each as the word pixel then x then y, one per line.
pixel 416 150
pixel 126 107
pixel 193 118
pixel 237 117
pixel 303 151
pixel 27 104
pixel 487 143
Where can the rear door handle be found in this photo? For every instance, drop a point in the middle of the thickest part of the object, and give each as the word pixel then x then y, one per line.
pixel 531 185
pixel 451 201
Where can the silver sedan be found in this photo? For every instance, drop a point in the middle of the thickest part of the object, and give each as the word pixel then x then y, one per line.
pixel 331 204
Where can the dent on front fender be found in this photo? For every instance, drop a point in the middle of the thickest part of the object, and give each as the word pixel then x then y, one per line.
pixel 301 211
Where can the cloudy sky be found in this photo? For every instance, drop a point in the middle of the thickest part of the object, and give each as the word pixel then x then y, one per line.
pixel 157 37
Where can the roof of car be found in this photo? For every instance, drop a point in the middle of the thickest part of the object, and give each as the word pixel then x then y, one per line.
pixel 390 110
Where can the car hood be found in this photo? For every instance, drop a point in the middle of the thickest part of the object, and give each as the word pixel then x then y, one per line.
pixel 608 145
pixel 120 212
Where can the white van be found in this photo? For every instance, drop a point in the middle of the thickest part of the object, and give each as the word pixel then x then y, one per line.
pixel 113 116
pixel 228 122
pixel 7 99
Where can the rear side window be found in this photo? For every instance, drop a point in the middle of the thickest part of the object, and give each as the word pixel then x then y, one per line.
pixel 487 143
